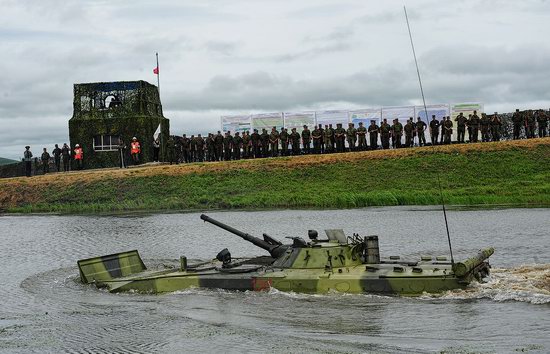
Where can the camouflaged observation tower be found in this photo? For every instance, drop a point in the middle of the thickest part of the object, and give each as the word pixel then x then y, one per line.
pixel 105 111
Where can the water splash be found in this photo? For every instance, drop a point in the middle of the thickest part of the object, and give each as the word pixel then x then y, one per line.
pixel 526 283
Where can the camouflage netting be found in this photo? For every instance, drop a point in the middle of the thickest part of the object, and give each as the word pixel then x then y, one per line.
pixel 125 109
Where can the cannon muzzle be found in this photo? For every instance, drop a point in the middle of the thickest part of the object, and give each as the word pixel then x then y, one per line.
pixel 274 249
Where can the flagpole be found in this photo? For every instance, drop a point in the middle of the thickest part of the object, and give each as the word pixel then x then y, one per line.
pixel 161 147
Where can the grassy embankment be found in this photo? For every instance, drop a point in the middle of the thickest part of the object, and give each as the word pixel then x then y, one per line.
pixel 515 173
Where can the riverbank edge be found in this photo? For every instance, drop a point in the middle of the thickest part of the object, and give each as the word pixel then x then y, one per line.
pixel 506 174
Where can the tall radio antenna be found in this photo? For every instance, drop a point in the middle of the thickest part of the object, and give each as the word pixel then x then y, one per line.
pixel 433 146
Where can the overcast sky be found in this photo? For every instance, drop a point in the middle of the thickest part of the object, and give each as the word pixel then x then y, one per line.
pixel 239 57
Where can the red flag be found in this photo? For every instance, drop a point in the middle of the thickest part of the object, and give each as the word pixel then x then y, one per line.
pixel 156 70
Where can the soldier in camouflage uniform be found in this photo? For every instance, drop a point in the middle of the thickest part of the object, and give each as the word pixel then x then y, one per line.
pixel 171 149
pixel 434 130
pixel 264 138
pixel 352 136
pixel 284 141
pixel 484 123
pixel 274 142
pixel 186 148
pixel 460 127
pixel 193 148
pixel 218 146
pixel 322 140
pixel 448 128
pixel 361 137
pixel 408 128
pixel 517 121
pixel 373 130
pixel 317 137
pixel 397 133
pixel 530 124
pixel 256 143
pixel 306 140
pixel 247 145
pixel 385 132
pixel 210 147
pixel 496 123
pixel 340 137
pixel 237 144
pixel 295 142
pixel 227 146
pixel 200 148
pixel 420 129
pixel 542 121
pixel 474 125
pixel 329 139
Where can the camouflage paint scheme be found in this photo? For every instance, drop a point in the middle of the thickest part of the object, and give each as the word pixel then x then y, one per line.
pixel 318 267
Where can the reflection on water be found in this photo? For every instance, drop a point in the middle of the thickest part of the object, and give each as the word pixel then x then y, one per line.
pixel 45 309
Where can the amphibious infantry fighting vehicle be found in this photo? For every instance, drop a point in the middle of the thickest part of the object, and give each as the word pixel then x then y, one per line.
pixel 335 263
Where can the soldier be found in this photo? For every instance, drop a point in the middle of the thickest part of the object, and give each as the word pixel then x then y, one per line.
pixel 397 132
pixel 530 123
pixel 542 121
pixel 434 130
pixel 218 146
pixel 517 121
pixel 339 136
pixel 442 127
pixel 306 139
pixel 484 123
pixel 409 133
pixel 460 127
pixel 186 148
pixel 27 157
pixel 351 134
pixel 264 138
pixel 45 158
pixel 469 127
pixel 274 142
pixel 247 145
pixel 317 136
pixel 200 143
pixel 209 147
pixel 496 123
pixel 156 149
pixel 385 132
pixel 284 136
pixel 122 150
pixel 361 137
pixel 237 144
pixel 193 148
pixel 295 142
pixel 256 143
pixel 448 127
pixel 328 139
pixel 373 135
pixel 332 137
pixel 227 145
pixel 474 125
pixel 66 154
pixel 171 148
pixel 57 157
pixel 322 140
pixel 420 129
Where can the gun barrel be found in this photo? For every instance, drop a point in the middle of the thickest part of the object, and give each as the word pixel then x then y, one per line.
pixel 463 268
pixel 254 240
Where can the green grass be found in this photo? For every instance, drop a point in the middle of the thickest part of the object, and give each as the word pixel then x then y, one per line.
pixel 515 176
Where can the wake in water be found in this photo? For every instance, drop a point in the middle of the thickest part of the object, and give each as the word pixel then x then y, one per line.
pixel 526 283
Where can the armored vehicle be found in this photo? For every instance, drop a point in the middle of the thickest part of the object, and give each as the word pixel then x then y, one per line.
pixel 335 263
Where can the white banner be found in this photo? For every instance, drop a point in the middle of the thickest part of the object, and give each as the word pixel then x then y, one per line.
pixel 332 117
pixel 438 110
pixel 267 121
pixel 466 109
pixel 365 116
pixel 401 113
pixel 298 120
pixel 237 123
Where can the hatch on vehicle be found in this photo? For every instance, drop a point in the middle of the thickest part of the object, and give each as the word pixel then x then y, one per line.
pixel 337 235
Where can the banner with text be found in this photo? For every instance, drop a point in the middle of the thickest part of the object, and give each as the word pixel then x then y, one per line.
pixel 401 113
pixel 365 116
pixel 332 117
pixel 237 123
pixel 437 110
pixel 466 109
pixel 267 121
pixel 298 120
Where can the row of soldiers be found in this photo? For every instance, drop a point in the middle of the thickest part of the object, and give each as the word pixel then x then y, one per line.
pixel 216 147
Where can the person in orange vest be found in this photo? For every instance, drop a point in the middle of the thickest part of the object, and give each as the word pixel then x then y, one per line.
pixel 78 156
pixel 135 149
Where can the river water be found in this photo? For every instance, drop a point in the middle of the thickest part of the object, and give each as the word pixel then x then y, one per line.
pixel 44 308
